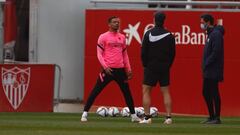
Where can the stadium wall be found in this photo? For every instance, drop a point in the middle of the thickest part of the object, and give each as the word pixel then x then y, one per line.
pixel 186 76
pixel 24 87
pixel 60 40
pixel 60 32
pixel 1 34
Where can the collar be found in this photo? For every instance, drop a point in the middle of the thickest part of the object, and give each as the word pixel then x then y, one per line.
pixel 209 30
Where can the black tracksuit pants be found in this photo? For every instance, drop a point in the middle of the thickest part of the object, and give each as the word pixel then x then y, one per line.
pixel 118 75
pixel 212 97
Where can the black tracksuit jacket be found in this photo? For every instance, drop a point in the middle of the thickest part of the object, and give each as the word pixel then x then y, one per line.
pixel 213 54
pixel 158 49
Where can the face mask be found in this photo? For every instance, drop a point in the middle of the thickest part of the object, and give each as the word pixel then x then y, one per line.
pixel 203 26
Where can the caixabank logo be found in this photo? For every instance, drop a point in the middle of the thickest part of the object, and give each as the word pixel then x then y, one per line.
pixel 184 37
pixel 15 83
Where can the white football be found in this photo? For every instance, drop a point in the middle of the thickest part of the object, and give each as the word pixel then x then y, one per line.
pixel 168 121
pixel 153 111
pixel 139 111
pixel 113 111
pixel 125 112
pixel 102 111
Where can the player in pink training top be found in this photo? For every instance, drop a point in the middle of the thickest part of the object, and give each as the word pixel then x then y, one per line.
pixel 113 57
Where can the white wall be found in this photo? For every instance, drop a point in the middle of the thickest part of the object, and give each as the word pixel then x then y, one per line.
pixel 61 28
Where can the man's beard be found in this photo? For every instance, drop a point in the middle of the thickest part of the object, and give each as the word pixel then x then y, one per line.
pixel 115 28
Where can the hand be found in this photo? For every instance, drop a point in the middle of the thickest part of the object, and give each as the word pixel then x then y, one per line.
pixel 129 75
pixel 108 71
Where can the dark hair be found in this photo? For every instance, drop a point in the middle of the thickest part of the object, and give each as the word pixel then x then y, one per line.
pixel 208 18
pixel 159 18
pixel 110 18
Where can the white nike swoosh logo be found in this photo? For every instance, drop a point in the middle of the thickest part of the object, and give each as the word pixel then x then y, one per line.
pixel 156 38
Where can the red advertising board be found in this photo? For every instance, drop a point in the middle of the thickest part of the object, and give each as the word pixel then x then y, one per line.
pixel 26 88
pixel 186 75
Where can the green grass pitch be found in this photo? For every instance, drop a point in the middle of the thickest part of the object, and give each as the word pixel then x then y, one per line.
pixel 69 124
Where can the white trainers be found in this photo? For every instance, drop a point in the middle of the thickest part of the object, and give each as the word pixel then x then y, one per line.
pixel 144 121
pixel 168 121
pixel 135 118
pixel 84 116
pixel 84 119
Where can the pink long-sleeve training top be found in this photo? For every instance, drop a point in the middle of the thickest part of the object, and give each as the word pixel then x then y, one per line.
pixel 112 51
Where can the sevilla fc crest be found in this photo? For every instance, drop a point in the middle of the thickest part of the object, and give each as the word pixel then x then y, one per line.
pixel 15 82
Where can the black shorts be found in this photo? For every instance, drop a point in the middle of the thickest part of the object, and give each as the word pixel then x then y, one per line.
pixel 151 78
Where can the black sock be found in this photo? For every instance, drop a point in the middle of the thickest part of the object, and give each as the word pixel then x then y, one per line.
pixel 146 117
pixel 168 117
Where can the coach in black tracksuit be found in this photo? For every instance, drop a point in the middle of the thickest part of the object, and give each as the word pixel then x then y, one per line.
pixel 157 54
pixel 212 67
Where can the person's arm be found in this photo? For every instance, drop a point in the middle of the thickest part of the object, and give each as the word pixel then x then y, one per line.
pixel 172 50
pixel 126 60
pixel 144 50
pixel 127 63
pixel 217 49
pixel 100 51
